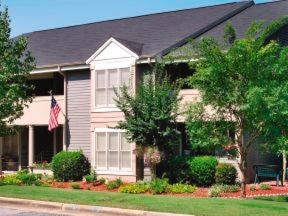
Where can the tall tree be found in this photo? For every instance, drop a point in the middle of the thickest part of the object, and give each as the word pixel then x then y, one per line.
pixel 150 113
pixel 15 64
pixel 233 82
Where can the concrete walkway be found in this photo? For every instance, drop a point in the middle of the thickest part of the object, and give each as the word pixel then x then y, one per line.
pixel 75 209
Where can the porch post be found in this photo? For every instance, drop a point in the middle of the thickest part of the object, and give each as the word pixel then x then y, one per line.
pixel 1 151
pixel 19 151
pixel 54 141
pixel 31 145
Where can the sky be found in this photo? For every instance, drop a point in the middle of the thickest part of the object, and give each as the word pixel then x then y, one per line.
pixel 34 15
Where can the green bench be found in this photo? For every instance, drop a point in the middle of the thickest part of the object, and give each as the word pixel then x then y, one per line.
pixel 268 171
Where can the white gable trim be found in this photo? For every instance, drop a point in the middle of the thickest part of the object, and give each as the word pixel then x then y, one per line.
pixel 106 44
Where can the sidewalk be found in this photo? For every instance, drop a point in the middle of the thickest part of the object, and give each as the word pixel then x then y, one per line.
pixel 65 208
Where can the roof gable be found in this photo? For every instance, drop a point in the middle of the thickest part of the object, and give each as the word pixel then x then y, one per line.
pixel 111 49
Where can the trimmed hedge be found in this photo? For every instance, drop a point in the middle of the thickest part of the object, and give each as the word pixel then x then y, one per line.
pixel 203 170
pixel 70 166
pixel 225 174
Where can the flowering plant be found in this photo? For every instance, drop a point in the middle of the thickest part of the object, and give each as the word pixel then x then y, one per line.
pixel 42 165
pixel 152 156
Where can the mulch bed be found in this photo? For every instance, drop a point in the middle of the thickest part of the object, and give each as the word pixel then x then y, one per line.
pixel 200 192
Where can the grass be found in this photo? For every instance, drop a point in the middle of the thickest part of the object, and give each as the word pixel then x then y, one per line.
pixel 184 205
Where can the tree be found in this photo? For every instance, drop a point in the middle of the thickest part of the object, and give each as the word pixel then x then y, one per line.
pixel 15 64
pixel 276 123
pixel 150 113
pixel 233 83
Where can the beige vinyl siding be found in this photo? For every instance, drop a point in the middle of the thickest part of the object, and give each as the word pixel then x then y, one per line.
pixel 78 111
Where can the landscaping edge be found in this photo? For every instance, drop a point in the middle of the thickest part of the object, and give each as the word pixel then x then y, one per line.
pixel 75 208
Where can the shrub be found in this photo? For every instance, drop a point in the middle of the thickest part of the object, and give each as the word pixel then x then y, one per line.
pixel 29 178
pixel 253 188
pixel 75 186
pixel 11 180
pixel 159 185
pixel 216 190
pixel 91 178
pixel 264 186
pixel 176 169
pixel 70 166
pixel 136 188
pixel 114 184
pixel 225 174
pixel 181 188
pixel 102 180
pixel 203 170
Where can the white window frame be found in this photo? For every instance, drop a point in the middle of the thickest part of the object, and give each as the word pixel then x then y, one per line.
pixel 107 106
pixel 107 169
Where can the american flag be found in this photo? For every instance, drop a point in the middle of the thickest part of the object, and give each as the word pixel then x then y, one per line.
pixel 54 111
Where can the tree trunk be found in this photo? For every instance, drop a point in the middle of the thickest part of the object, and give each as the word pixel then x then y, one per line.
pixel 139 168
pixel 153 171
pixel 284 165
pixel 242 160
pixel 243 175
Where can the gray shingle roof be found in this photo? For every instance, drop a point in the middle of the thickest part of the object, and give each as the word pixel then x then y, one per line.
pixel 266 12
pixel 145 35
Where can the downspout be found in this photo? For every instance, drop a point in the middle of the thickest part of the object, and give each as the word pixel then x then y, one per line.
pixel 65 103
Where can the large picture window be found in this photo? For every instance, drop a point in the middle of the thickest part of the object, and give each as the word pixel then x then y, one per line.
pixel 106 81
pixel 112 151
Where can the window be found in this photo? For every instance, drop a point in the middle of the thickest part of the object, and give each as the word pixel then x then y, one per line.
pixel 112 151
pixel 106 81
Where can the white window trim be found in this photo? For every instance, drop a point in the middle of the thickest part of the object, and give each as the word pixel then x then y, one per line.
pixel 108 107
pixel 126 171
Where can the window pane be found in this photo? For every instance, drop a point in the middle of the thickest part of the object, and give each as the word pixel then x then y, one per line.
pixel 125 145
pixel 113 81
pixel 100 141
pixel 100 79
pixel 125 160
pixel 113 141
pixel 113 159
pixel 111 96
pixel 125 73
pixel 101 159
pixel 100 97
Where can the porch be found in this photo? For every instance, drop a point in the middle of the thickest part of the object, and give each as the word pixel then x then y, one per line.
pixel 31 144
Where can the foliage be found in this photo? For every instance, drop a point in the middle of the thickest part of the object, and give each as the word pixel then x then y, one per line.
pixel 15 64
pixel 181 188
pixel 42 165
pixel 235 87
pixel 225 174
pixel 216 190
pixel 159 185
pixel 76 186
pixel 176 169
pixel 150 114
pixel 11 180
pixel 114 184
pixel 70 166
pixel 136 188
pixel 102 180
pixel 29 178
pixel 91 178
pixel 253 188
pixel 264 186
pixel 203 170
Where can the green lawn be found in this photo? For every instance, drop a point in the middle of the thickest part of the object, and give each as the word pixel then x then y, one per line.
pixel 197 206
